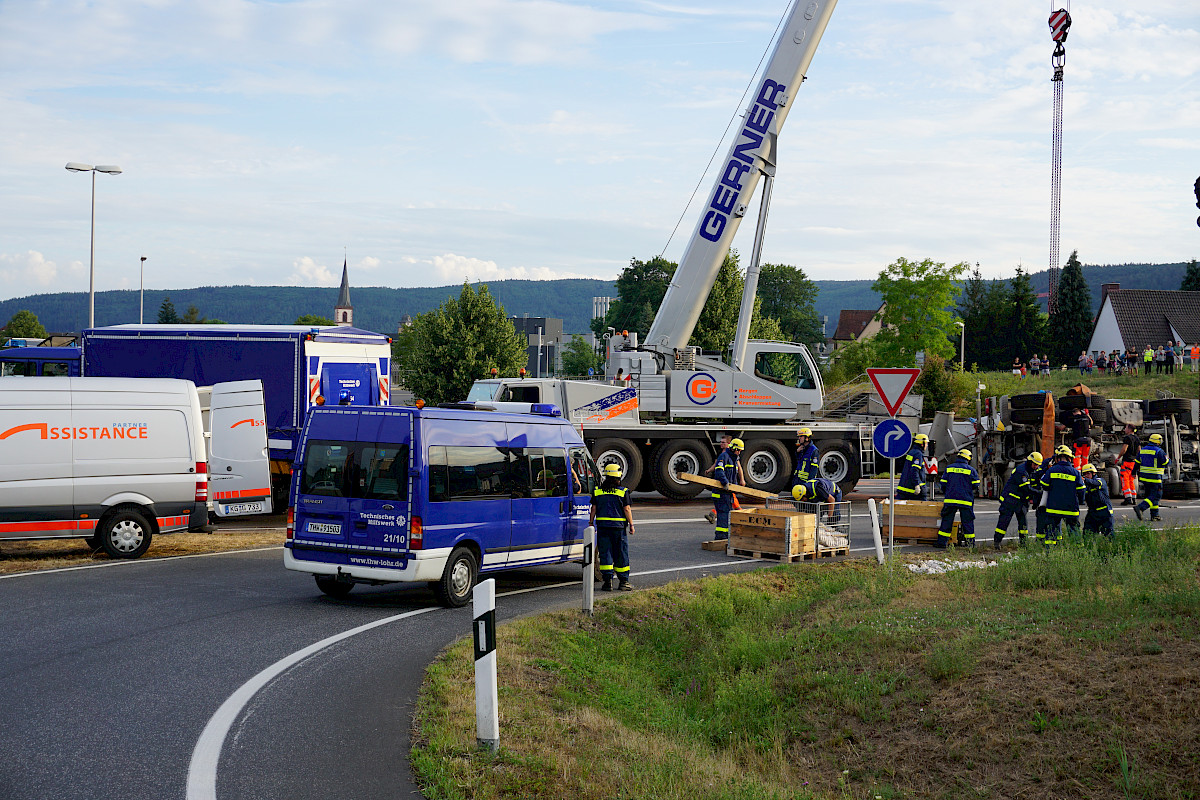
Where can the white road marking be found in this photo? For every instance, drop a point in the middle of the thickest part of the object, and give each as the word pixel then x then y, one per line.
pixel 133 562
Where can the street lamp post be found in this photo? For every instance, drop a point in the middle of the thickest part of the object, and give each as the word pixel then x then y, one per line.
pixel 962 346
pixel 142 293
pixel 75 166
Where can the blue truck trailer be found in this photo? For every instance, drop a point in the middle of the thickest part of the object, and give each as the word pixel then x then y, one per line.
pixel 299 366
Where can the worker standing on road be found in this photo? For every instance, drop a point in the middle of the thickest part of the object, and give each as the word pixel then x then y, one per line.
pixel 821 490
pixel 1015 499
pixel 726 438
pixel 1150 472
pixel 1064 490
pixel 958 485
pixel 1100 516
pixel 1128 459
pixel 806 458
pixel 1081 430
pixel 726 470
pixel 912 471
pixel 612 516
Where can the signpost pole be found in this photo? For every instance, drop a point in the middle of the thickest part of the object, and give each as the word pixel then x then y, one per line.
pixel 892 511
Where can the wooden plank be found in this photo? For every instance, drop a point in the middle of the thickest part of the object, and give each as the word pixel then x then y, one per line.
pixel 715 544
pixel 712 483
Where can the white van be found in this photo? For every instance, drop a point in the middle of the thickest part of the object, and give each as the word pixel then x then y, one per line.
pixel 117 460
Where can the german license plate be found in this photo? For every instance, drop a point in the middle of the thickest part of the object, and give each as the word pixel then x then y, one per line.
pixel 324 527
pixel 243 508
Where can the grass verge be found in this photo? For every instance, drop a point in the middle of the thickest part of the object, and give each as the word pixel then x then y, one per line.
pixel 1068 675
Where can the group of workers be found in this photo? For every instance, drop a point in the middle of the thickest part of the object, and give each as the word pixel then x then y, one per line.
pixel 1055 489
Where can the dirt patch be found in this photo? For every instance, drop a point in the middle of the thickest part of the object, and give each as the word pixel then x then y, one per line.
pixel 25 556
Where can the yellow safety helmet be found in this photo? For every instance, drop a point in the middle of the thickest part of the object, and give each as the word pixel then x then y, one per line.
pixel 737 444
pixel 921 438
pixel 964 453
pixel 1156 438
pixel 1062 450
pixel 1035 457
pixel 804 432
pixel 798 491
pixel 612 470
pixel 1088 468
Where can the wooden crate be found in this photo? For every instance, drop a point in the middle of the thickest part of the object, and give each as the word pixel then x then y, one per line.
pixel 915 519
pixel 771 531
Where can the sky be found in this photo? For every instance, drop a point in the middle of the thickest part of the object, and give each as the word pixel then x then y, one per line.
pixel 428 143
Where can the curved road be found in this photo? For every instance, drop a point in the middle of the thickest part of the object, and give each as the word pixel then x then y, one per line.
pixel 187 678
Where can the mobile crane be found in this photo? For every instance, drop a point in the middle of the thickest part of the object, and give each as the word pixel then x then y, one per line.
pixel 679 401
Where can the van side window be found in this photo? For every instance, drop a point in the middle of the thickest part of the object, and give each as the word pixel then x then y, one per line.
pixel 548 472
pixel 18 369
pixel 326 465
pixel 382 472
pixel 469 473
pixel 521 394
pixel 55 369
pixel 583 471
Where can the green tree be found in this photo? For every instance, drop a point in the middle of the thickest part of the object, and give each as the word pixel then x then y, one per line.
pixel 917 316
pixel 789 296
pixel 192 316
pixel 445 350
pixel 640 290
pixel 1191 279
pixel 167 314
pixel 982 308
pixel 24 324
pixel 847 363
pixel 1071 323
pixel 1025 331
pixel 579 356
pixel 313 319
pixel 935 386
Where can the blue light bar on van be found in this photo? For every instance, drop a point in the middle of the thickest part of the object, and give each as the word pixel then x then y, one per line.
pixel 546 409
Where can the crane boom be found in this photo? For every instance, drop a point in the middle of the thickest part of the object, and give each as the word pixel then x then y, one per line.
pixel 751 154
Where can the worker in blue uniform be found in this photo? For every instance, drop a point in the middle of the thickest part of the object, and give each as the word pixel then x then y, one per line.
pixel 1153 463
pixel 958 486
pixel 1100 514
pixel 1064 490
pixel 1014 499
pixel 726 471
pixel 912 471
pixel 612 516
pixel 821 490
pixel 806 458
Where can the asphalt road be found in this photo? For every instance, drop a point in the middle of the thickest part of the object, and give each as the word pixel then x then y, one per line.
pixel 226 676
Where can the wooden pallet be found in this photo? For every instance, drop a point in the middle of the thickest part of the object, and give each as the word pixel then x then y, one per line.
pixel 828 552
pixel 768 556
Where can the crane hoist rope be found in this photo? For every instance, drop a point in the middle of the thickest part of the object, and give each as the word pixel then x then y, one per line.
pixel 1060 25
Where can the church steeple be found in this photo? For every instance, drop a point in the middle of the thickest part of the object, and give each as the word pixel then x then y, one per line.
pixel 343 313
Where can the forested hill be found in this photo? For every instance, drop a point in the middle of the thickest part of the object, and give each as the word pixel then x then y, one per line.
pixel 380 309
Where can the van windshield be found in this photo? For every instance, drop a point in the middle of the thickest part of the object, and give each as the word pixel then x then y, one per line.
pixel 364 470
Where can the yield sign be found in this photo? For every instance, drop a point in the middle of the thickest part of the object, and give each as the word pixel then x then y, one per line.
pixel 893 385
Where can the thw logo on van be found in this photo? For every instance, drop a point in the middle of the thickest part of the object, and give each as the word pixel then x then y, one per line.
pixel 253 423
pixel 701 388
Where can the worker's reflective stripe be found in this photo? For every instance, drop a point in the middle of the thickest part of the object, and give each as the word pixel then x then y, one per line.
pixel 906 489
pixel 621 569
pixel 958 470
pixel 605 567
pixel 610 519
pixel 960 502
pixel 1062 513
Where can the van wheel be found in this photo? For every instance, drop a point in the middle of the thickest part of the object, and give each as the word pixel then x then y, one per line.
pixel 454 589
pixel 331 586
pixel 125 534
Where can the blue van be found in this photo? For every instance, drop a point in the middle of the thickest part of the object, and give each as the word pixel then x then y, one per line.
pixel 441 495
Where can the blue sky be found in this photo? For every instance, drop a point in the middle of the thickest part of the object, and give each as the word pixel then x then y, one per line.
pixel 432 142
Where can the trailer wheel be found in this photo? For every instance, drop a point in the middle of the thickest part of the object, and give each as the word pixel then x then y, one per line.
pixel 332 587
pixel 125 533
pixel 673 457
pixel 1026 416
pixel 458 579
pixel 1179 406
pixel 839 464
pixel 767 465
pixel 1027 401
pixel 1114 481
pixel 622 453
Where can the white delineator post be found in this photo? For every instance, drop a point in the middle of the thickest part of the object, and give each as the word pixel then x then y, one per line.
pixel 589 580
pixel 875 529
pixel 487 709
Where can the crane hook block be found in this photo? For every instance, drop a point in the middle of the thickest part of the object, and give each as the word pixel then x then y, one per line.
pixel 1060 25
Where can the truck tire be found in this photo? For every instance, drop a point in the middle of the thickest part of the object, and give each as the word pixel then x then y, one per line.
pixel 1179 406
pixel 1027 416
pixel 1073 401
pixel 125 533
pixel 767 464
pixel 672 457
pixel 458 579
pixel 1113 476
pixel 1027 401
pixel 625 455
pixel 332 587
pixel 1174 490
pixel 838 462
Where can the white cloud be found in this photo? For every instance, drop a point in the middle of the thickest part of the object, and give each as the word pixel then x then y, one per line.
pixel 450 269
pixel 30 269
pixel 307 272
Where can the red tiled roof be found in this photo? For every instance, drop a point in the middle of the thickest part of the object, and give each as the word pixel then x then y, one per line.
pixel 1146 316
pixel 851 323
